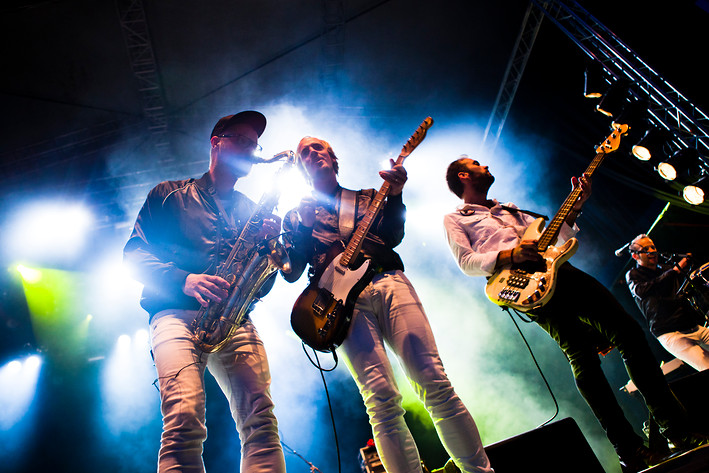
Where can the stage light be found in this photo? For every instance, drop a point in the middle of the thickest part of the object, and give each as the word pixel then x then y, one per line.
pixel 651 145
pixel 29 275
pixel 694 193
pixel 635 115
pixel 592 81
pixel 684 162
pixel 18 385
pixel 614 100
pixel 48 230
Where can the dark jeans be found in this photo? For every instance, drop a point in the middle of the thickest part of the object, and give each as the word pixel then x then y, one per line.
pixel 582 316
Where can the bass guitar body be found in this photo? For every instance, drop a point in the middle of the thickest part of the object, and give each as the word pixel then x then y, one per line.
pixel 322 314
pixel 530 285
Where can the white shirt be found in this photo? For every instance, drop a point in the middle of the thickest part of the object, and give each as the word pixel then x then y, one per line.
pixel 477 234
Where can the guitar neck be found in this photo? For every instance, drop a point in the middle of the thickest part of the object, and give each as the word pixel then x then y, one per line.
pixel 355 245
pixel 551 232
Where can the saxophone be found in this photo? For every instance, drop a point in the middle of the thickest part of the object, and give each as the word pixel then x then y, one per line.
pixel 249 265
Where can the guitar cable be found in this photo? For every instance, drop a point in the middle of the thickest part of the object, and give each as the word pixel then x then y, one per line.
pixel 322 372
pixel 539 369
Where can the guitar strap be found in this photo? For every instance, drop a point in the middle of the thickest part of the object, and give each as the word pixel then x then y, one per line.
pixel 528 212
pixel 346 213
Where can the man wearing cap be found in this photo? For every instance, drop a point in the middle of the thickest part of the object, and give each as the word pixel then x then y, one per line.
pixel 184 230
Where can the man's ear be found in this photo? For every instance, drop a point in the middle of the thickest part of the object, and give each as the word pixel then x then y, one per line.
pixel 634 255
pixel 463 175
pixel 214 140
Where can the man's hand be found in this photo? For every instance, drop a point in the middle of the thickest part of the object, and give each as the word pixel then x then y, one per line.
pixel 683 263
pixel 526 251
pixel 271 227
pixel 396 177
pixel 306 211
pixel 206 288
pixel 584 182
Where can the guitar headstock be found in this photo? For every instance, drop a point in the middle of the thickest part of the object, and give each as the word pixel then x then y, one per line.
pixel 613 141
pixel 416 138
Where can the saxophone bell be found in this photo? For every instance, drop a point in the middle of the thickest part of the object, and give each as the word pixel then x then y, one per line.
pixel 276 252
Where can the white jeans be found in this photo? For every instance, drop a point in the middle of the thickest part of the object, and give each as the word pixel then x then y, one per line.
pixel 240 368
pixel 388 310
pixel 690 346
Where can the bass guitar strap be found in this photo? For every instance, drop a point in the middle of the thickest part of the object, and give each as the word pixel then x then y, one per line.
pixel 528 212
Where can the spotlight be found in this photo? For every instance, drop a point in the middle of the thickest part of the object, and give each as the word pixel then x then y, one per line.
pixel 635 115
pixel 651 145
pixel 694 193
pixel 614 99
pixel 592 81
pixel 681 163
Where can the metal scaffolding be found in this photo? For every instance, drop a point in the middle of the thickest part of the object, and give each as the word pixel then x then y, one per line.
pixel 667 107
pixel 142 60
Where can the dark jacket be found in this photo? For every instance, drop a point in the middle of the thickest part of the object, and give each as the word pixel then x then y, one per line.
pixel 655 293
pixel 310 245
pixel 180 231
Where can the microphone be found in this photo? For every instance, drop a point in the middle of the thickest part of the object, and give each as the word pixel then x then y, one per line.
pixel 619 252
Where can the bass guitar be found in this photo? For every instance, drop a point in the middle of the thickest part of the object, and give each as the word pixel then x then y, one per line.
pixel 529 285
pixel 322 313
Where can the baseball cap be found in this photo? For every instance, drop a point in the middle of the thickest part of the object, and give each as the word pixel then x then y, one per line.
pixel 254 119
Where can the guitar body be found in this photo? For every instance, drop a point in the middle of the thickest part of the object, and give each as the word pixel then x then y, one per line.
pixel 322 314
pixel 528 286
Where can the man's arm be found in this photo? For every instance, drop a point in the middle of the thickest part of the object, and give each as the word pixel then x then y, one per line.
pixel 298 227
pixel 144 258
pixel 643 287
pixel 469 261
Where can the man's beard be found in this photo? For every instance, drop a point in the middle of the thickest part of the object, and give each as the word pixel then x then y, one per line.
pixel 483 182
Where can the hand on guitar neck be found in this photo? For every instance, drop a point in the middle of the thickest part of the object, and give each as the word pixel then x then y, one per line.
pixel 582 183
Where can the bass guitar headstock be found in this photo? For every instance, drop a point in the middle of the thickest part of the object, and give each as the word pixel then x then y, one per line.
pixel 613 141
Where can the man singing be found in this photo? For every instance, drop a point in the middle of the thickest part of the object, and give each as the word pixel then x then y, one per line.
pixel 654 287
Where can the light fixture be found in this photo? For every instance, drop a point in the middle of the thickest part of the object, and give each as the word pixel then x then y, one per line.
pixel 635 116
pixel 684 162
pixel 651 145
pixel 694 193
pixel 615 98
pixel 592 81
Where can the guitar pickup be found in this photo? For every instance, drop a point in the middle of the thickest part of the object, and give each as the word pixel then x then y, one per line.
pixel 509 295
pixel 322 302
pixel 519 280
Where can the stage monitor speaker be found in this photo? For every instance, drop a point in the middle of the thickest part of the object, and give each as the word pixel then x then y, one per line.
pixel 559 447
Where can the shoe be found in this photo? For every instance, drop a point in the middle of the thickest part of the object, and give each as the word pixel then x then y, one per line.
pixel 688 441
pixel 640 459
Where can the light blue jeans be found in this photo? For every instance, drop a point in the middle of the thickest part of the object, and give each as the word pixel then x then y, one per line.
pixel 388 310
pixel 240 368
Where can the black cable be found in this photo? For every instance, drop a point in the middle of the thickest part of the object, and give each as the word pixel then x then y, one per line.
pixel 290 450
pixel 174 376
pixel 327 395
pixel 539 369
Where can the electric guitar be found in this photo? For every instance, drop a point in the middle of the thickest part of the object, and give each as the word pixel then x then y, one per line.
pixel 529 285
pixel 322 313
